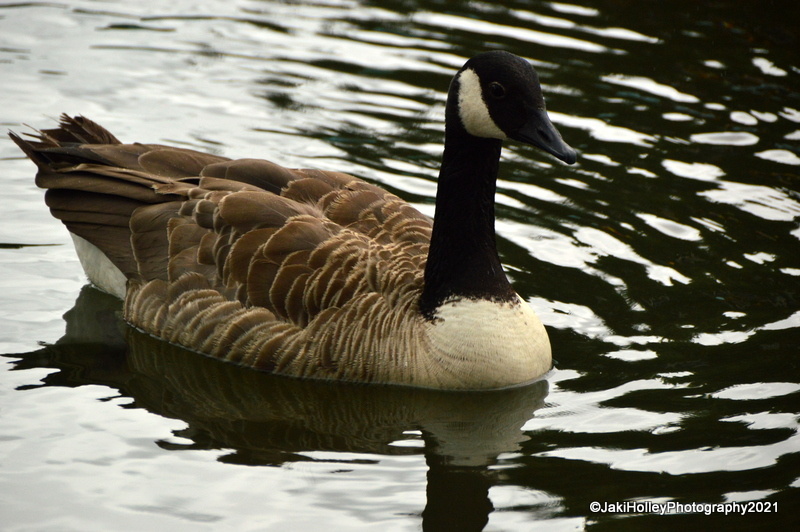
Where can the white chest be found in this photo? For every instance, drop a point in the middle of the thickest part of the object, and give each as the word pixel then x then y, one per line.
pixel 484 344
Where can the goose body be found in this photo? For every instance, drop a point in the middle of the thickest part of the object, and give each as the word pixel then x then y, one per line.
pixel 313 273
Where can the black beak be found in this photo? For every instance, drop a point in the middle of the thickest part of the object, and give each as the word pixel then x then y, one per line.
pixel 540 132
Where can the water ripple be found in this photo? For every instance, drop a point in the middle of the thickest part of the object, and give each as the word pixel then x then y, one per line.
pixel 664 264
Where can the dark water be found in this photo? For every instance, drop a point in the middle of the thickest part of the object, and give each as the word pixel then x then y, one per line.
pixel 666 265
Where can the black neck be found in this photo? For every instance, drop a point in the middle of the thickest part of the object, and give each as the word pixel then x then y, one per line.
pixel 463 259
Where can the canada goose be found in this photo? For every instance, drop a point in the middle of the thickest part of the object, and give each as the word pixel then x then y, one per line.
pixel 313 273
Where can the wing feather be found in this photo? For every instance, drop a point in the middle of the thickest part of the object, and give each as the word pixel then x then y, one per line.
pixel 297 271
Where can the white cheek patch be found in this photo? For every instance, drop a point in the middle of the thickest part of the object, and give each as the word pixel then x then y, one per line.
pixel 472 108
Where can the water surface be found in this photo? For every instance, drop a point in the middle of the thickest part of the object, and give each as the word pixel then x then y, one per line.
pixel 665 265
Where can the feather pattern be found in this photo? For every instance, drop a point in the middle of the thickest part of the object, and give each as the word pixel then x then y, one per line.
pixel 305 272
pixel 246 260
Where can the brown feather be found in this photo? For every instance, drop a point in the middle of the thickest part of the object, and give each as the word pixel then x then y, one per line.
pixel 303 272
pixel 176 163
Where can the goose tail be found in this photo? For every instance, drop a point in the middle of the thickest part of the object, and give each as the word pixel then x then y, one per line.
pixel 93 185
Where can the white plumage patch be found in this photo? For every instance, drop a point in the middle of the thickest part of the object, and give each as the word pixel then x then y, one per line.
pixel 482 344
pixel 472 108
pixel 99 269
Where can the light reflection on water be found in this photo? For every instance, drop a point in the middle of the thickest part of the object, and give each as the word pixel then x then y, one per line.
pixel 664 265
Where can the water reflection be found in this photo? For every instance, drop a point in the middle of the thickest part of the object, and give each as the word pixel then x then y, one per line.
pixel 664 263
pixel 264 420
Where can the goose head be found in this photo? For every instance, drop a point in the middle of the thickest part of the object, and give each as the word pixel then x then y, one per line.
pixel 497 95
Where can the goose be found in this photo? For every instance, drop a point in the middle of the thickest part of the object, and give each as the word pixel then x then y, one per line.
pixel 313 273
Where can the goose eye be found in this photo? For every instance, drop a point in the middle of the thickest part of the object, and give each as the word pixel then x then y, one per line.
pixel 497 90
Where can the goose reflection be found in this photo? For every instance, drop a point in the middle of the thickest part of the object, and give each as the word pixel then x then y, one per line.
pixel 268 420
